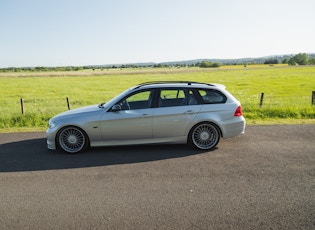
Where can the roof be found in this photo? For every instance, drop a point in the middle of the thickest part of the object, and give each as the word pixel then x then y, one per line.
pixel 175 83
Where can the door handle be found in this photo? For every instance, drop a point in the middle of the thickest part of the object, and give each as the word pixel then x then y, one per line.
pixel 146 115
pixel 189 111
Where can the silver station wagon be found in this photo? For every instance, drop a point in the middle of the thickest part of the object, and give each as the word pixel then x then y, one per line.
pixel 151 113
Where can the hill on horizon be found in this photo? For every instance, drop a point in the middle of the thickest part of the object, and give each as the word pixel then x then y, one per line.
pixel 236 61
pixel 193 62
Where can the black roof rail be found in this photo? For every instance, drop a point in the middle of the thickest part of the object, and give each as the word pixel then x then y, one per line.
pixel 166 82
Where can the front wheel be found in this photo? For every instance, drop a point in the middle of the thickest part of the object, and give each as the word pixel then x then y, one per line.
pixel 204 136
pixel 72 139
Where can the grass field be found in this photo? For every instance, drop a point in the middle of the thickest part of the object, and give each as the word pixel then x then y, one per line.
pixel 287 91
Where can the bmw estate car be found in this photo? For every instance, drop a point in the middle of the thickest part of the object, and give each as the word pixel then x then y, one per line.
pixel 198 114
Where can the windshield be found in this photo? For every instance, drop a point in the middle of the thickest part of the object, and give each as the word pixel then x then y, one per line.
pixel 114 100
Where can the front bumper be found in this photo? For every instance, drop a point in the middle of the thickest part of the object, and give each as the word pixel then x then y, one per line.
pixel 51 137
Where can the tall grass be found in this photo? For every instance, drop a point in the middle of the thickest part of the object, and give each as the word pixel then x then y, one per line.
pixel 287 91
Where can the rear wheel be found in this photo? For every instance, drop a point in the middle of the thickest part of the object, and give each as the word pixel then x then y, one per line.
pixel 204 136
pixel 72 139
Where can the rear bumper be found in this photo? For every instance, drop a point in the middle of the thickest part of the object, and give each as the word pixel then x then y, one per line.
pixel 233 127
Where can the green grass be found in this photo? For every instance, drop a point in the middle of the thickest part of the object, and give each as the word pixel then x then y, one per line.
pixel 287 91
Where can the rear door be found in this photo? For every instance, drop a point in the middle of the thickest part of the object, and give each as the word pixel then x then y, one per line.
pixel 176 110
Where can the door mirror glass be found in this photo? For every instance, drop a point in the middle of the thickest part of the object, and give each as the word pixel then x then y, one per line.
pixel 116 108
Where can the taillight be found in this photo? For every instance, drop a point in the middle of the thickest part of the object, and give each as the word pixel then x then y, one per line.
pixel 238 111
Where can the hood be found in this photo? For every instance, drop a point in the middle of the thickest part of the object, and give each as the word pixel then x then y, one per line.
pixel 79 111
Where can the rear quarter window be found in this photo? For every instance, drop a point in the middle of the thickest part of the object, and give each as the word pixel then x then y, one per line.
pixel 212 96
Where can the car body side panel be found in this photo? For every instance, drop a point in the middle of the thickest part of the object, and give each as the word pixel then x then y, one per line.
pixel 221 115
pixel 173 121
pixel 170 140
pixel 127 125
pixel 89 122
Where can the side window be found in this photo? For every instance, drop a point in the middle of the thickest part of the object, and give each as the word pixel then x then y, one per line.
pixel 210 96
pixel 172 94
pixel 191 99
pixel 141 100
pixel 171 97
pixel 176 97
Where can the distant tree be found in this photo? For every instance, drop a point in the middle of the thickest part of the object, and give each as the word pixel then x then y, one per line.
pixel 271 61
pixel 216 65
pixel 207 64
pixel 312 61
pixel 40 68
pixel 157 66
pixel 77 68
pixel 291 61
pixel 300 59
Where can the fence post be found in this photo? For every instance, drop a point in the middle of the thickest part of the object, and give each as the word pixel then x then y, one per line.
pixel 22 105
pixel 313 97
pixel 261 99
pixel 68 103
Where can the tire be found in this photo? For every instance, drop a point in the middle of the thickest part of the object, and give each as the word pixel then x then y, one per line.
pixel 204 136
pixel 72 139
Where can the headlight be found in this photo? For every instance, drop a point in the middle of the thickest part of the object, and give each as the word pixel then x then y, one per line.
pixel 52 124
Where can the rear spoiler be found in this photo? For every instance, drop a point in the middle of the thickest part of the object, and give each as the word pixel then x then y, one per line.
pixel 219 86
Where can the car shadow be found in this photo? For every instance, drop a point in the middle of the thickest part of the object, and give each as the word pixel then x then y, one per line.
pixel 33 155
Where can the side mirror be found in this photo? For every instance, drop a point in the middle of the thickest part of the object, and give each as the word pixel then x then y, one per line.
pixel 116 108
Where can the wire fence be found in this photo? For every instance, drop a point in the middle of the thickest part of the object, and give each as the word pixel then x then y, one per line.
pixel 54 105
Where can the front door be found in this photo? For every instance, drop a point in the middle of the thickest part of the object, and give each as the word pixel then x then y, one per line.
pixel 132 122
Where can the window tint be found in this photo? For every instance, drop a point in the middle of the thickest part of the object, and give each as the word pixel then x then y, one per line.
pixel 142 96
pixel 172 94
pixel 176 97
pixel 212 96
pixel 190 99
pixel 141 100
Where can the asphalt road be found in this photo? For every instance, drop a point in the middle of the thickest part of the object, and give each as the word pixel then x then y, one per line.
pixel 264 179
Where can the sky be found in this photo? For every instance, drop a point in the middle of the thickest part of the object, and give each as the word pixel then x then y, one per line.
pixel 97 32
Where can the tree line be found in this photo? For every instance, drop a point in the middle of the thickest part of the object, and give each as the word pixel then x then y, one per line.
pixel 298 59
